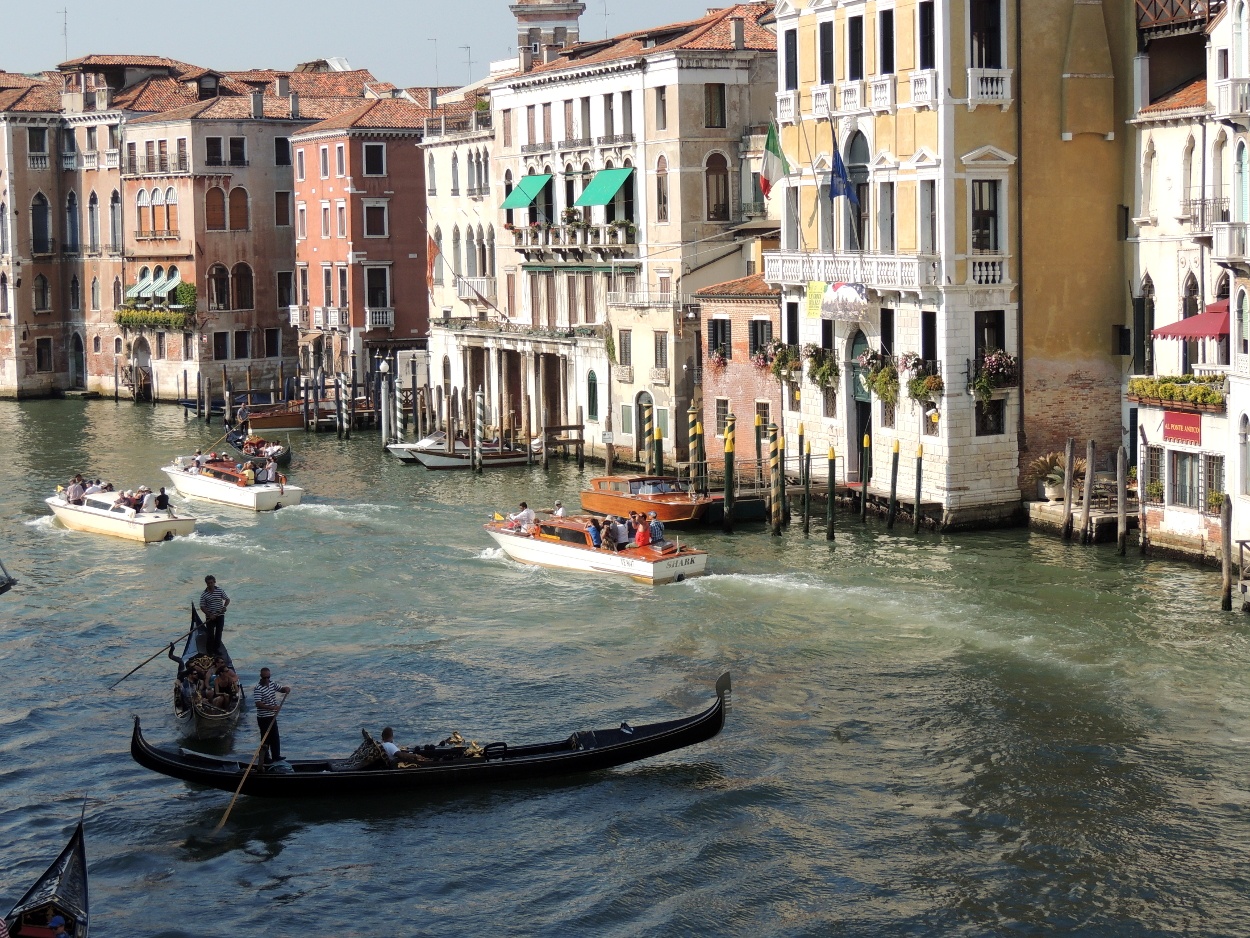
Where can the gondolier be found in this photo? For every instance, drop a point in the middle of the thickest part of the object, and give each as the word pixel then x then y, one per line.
pixel 214 603
pixel 265 697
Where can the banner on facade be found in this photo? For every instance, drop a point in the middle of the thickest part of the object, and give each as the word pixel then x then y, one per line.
pixel 1182 428
pixel 815 297
pixel 844 302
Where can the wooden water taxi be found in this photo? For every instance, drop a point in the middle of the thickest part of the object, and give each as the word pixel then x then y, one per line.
pixel 60 891
pixel 288 415
pixel 196 715
pixel 101 513
pixel 257 447
pixel 564 543
pixel 219 480
pixel 673 500
pixel 446 766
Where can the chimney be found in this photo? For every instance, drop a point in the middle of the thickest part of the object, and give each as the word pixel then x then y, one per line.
pixel 738 29
pixel 433 98
pixel 283 83
pixel 551 53
pixel 258 104
pixel 294 105
pixel 527 58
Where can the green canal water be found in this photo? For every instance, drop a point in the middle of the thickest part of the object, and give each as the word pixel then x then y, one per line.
pixel 966 735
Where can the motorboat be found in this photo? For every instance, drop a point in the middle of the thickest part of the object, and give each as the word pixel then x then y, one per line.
pixel 60 891
pixel 452 765
pixel 674 500
pixel 564 543
pixel 434 452
pixel 102 513
pixel 220 480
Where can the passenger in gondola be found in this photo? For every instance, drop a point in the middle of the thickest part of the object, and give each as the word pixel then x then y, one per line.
pixel 57 924
pixel 224 684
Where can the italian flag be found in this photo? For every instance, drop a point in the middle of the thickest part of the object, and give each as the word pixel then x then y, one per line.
pixel 775 166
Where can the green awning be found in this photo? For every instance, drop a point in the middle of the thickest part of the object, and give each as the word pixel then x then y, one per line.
pixel 142 284
pixel 526 191
pixel 156 285
pixel 603 188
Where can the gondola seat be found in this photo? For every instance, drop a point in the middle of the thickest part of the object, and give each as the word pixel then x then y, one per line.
pixel 368 755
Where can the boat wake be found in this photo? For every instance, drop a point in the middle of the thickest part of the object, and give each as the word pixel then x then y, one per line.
pixel 361 512
pixel 47 522
pixel 490 553
pixel 226 539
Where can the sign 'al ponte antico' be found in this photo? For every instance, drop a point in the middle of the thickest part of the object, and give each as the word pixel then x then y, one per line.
pixel 1182 428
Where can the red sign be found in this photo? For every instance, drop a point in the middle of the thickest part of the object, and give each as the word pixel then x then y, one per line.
pixel 1182 428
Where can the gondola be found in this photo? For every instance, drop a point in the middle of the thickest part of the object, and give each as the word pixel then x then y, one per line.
pixel 7 582
pixel 61 890
pixel 446 766
pixel 252 447
pixel 196 716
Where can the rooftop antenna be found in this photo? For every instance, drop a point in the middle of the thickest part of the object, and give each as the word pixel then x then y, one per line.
pixel 606 33
pixel 435 41
pixel 65 30
pixel 469 54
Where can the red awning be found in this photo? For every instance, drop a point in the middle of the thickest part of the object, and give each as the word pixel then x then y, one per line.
pixel 1212 323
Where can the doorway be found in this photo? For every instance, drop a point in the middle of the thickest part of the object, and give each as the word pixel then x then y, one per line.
pixel 77 363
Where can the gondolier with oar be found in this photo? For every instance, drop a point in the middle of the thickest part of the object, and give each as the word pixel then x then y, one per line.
pixel 265 696
pixel 213 603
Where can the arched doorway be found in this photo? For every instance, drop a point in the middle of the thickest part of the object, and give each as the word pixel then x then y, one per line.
pixel 318 354
pixel 77 363
pixel 1148 325
pixel 641 441
pixel 862 396
pixel 141 369
pixel 1190 305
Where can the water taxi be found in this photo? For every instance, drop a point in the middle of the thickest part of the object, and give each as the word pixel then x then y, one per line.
pixel 251 446
pixel 673 500
pixel 564 543
pixel 219 480
pixel 102 513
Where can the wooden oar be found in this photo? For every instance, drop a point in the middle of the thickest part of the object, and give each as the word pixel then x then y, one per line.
pixel 134 669
pixel 255 756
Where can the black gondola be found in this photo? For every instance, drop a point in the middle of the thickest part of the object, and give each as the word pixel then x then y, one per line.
pixel 238 438
pixel 368 772
pixel 7 582
pixel 199 717
pixel 61 890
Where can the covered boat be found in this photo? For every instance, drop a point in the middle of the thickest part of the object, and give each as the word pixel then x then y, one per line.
pixel 257 447
pixel 101 513
pixel 565 543
pixel 368 772
pixel 673 500
pixel 61 890
pixel 219 480
pixel 199 716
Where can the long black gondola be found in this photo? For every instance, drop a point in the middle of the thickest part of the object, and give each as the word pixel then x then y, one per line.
pixel 366 771
pixel 238 438
pixel 61 890
pixel 7 582
pixel 199 717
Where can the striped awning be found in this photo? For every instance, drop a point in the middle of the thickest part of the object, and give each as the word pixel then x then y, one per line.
pixel 138 287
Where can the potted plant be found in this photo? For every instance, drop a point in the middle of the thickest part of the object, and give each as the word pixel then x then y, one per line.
pixel 784 360
pixel 926 387
pixel 570 215
pixel 822 368
pixel 884 383
pixel 1052 485
pixel 1154 491
pixel 716 360
pixel 997 369
pixel 1215 501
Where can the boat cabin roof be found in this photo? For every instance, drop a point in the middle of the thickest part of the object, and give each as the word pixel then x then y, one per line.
pixel 105 501
pixel 641 485
pixel 568 530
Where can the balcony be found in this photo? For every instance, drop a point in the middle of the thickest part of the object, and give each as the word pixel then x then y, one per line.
pixel 37 160
pixel 158 234
pixel 42 247
pixel 787 107
pixel 851 96
pixel 157 165
pixel 644 299
pixel 989 86
pixel 319 317
pixel 924 89
pixel 1232 99
pixel 822 101
pixel 579 143
pixel 69 161
pixel 221 161
pixel 112 159
pixel 536 148
pixel 380 317
pixel 611 140
pixel 91 160
pixel 624 374
pixel 1230 243
pixel 658 377
pixel 299 316
pixel 875 271
pixel 476 289
pixel 1203 214
pixel 477 192
pixel 984 269
pixel 882 94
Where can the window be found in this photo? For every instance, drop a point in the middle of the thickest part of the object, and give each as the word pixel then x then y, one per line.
pixel 214 209
pixel 989 331
pixel 183 163
pixel 985 239
pixel 72 225
pixel 507 128
pixel 928 217
pixel 303 298
pixel 282 209
pixel 95 345
pixel 1243 323
pixel 340 208
pixel 343 292
pixel 239 214
pixel 455 174
pixel 160 345
pixel 855 48
pixel 719 337
pixel 713 105
pixel 95 293
pixel 375 159
pixel 829 399
pixel 885 32
pixel 722 415
pixel 273 343
pixel 717 179
pixel 889 417
pixel 238 151
pixel 37 139
pixel 759 336
pixel 790 52
pixel 242 344
pixel 627 419
pixel 43 294
pixel 324 156
pixel 661 190
pixel 218 288
pixel 1213 483
pixel 609 116
pixel 592 397
pixel 547 122
pixel 117 346
pixel 885 218
pixel 286 288
pixel 75 294
pixel 221 346
pixel 327 285
pixel 928 35
pixel 115 221
pixel 764 411
pixel 212 151
pixel 299 165
pixel 985 33
pixel 1221 64
pixel 661 108
pixel 4 229
pixel 928 335
pixel 301 221
pixel 241 278
pixel 325 219
pixel 825 52
pixel 1185 489
pixel 281 151
pixel 43 355
pixel 377 287
pixel 990 417
pixel 588 298
pixel 187 346
pixel 792 324
pixel 625 347
pixel 117 293
pixel 340 160
pixel 431 179
pixel 661 349
pixel 41 224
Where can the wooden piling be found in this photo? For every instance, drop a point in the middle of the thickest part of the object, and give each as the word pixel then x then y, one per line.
pixel 1121 500
pixel 648 431
pixel 1226 552
pixel 338 406
pixel 774 472
pixel 1143 476
pixel 526 437
pixel 659 451
pixel 801 450
pixel 807 489
pixel 199 394
pixel 281 382
pixel 581 439
pixel 892 510
pixel 305 394
pixel 1069 459
pixel 759 450
pixel 829 498
pixel 116 380
pixel 1087 535
pixel 351 400
pixel 184 386
pixel 208 401
pixel 692 434
pixel 609 453
pixel 785 499
pixel 227 410
pixel 915 521
pixel 727 522
pixel 863 479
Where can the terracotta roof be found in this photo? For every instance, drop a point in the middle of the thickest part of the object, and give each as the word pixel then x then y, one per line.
pixel 15 80
pixel 745 287
pixel 382 114
pixel 131 61
pixel 239 107
pixel 41 98
pixel 712 32
pixel 1192 95
pixel 155 94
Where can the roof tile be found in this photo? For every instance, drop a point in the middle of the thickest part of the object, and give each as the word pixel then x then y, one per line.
pixel 743 287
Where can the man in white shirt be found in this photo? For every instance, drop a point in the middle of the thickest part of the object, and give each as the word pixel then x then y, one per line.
pixel 149 500
pixel 521 520
pixel 388 743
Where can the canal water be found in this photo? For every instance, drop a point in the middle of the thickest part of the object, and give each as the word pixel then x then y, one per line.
pixel 964 735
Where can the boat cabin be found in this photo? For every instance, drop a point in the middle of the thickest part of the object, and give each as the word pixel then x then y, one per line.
pixel 106 501
pixel 641 485
pixel 566 531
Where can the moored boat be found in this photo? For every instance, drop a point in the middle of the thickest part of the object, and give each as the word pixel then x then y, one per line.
pixel 565 543
pixel 673 500
pixel 257 447
pixel 288 415
pixel 60 891
pixel 433 452
pixel 219 480
pixel 368 772
pixel 101 513
pixel 199 716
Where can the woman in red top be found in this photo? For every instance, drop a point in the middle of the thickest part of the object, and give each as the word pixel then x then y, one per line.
pixel 643 536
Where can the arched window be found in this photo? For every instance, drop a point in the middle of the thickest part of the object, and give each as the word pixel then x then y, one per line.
pixel 455 251
pixel 455 174
pixel 93 224
pixel 1242 184
pixel 430 179
pixel 716 175
pixel 43 295
pixel 1239 42
pixel 661 189
pixel 95 298
pixel 218 287
pixel 75 294
pixel 1147 179
pixel 490 251
pixel 570 193
pixel 592 397
pixel 626 194
pixel 484 168
pixel 242 277
pixel 438 256
pixel 143 204
pixel 117 346
pixel 4 293
pixel 238 209
pixel 171 210
pixel 1243 323
pixel 507 191
pixel 72 223
pixel 4 229
pixel 117 292
pixel 41 224
pixel 1188 196
pixel 115 222
pixel 158 210
pixel 215 209
pixel 470 254
pixel 95 345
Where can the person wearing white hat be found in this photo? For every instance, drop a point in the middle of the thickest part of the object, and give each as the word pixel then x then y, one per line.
pixel 149 500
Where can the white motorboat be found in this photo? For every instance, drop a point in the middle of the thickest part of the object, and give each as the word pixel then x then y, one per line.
pixel 101 514
pixel 433 453
pixel 219 481
pixel 565 543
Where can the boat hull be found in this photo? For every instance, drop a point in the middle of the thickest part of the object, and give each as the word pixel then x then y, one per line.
pixel 197 718
pixel 61 890
pixel 652 566
pixel 144 527
pixel 445 460
pixel 583 751
pixel 265 497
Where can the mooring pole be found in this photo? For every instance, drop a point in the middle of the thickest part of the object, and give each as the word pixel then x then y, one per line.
pixel 692 434
pixel 1069 459
pixel 1226 551
pixel 1121 500
pixel 892 511
pixel 759 450
pixel 915 520
pixel 775 477
pixel 807 490
pixel 829 507
pixel 1087 535
pixel 727 522
pixel 863 480
pixel 659 451
pixel 785 499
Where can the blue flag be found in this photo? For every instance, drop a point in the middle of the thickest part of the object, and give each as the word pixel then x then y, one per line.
pixel 839 182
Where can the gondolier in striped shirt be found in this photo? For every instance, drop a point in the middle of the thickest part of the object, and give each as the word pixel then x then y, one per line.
pixel 265 697
pixel 213 603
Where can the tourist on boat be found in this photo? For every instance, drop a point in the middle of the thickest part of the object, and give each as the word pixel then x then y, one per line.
pixel 74 491
pixel 162 503
pixel 657 528
pixel 388 743
pixel 265 696
pixel 558 510
pixel 271 470
pixel 213 603
pixel 631 527
pixel 223 684
pixel 522 520
pixel 93 488
pixel 198 459
pixel 595 532
pixel 642 537
pixel 249 474
pixel 148 500
pixel 57 924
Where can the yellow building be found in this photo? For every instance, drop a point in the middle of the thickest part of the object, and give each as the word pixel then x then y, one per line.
pixel 980 257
